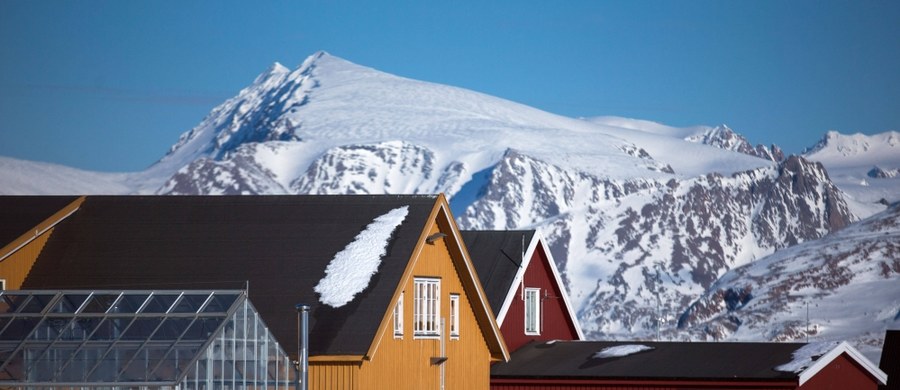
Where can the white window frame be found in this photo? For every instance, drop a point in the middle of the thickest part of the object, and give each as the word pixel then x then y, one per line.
pixel 532 302
pixel 398 318
pixel 454 316
pixel 427 308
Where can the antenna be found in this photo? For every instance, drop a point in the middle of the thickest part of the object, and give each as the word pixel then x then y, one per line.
pixel 523 249
pixel 658 303
pixel 521 262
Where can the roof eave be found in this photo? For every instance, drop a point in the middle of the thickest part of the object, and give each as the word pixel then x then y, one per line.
pixel 538 240
pixel 565 295
pixel 842 348
pixel 499 351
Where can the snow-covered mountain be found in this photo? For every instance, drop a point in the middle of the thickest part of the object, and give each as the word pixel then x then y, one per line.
pixel 294 126
pixel 656 244
pixel 850 159
pixel 643 218
pixel 21 177
pixel 841 287
pixel 720 136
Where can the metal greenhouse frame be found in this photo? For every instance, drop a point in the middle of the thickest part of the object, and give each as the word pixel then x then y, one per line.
pixel 204 339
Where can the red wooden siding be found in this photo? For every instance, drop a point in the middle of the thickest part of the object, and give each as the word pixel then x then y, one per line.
pixel 841 373
pixel 556 324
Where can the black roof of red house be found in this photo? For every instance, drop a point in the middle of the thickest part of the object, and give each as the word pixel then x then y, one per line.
pixel 497 256
pixel 678 361
pixel 666 360
pixel 278 245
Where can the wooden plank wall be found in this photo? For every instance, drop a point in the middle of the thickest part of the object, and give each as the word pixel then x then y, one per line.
pixel 405 363
pixel 842 373
pixel 334 375
pixel 555 322
pixel 14 269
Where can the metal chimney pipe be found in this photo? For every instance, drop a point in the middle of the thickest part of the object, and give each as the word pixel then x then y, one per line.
pixel 303 346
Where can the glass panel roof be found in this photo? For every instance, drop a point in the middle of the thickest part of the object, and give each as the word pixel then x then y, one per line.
pixel 135 338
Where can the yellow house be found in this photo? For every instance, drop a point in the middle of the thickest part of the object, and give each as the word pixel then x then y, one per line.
pixel 394 298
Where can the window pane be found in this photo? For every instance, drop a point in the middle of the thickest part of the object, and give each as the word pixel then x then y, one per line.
pixel 100 303
pixel 427 307
pixel 398 316
pixel 532 311
pixel 454 314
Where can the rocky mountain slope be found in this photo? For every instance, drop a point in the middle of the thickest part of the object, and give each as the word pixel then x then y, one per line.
pixel 849 160
pixel 843 286
pixel 656 245
pixel 643 218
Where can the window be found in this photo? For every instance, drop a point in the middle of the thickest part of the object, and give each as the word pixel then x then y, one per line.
pixel 532 311
pixel 454 316
pixel 398 317
pixel 2 284
pixel 427 307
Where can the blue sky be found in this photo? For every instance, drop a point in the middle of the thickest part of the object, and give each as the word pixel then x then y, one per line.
pixel 110 85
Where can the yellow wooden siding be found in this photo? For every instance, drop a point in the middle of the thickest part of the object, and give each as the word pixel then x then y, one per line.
pixel 15 268
pixel 334 375
pixel 406 363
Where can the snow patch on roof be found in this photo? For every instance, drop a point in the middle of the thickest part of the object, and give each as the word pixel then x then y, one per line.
pixel 807 355
pixel 621 350
pixel 351 269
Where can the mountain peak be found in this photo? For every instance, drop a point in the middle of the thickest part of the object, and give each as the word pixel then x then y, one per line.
pixel 313 60
pixel 276 69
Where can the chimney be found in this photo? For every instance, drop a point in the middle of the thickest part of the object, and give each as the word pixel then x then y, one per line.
pixel 302 381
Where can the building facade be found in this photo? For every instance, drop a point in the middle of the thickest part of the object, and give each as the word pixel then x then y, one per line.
pixel 418 318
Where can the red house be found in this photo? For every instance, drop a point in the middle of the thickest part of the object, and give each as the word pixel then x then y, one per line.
pixel 679 365
pixel 523 286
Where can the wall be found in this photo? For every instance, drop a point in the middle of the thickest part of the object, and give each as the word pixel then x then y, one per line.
pixel 405 363
pixel 334 375
pixel 841 373
pixel 555 321
pixel 15 268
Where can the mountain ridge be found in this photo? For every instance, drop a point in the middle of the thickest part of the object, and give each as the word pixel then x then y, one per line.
pixel 610 194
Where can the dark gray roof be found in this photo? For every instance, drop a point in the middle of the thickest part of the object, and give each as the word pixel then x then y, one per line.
pixel 279 245
pixel 667 360
pixel 18 214
pixel 890 360
pixel 497 256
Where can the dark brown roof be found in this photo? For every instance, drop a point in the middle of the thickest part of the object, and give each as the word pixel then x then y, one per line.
pixel 667 360
pixel 497 256
pixel 890 360
pixel 279 245
pixel 18 214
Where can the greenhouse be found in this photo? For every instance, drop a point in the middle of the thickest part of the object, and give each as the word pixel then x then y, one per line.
pixel 130 339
